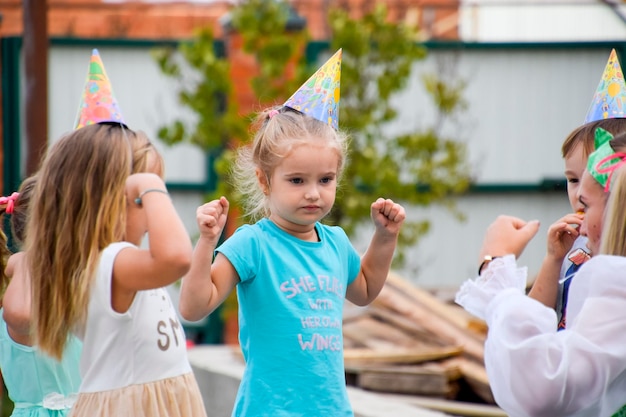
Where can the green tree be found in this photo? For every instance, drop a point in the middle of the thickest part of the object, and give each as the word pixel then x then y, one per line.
pixel 263 26
pixel 418 168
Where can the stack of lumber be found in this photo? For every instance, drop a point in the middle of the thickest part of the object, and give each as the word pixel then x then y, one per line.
pixel 410 342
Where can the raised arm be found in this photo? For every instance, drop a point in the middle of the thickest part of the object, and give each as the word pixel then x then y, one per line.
pixel 504 240
pixel 388 218
pixel 168 255
pixel 208 282
pixel 16 302
pixel 508 235
pixel 561 237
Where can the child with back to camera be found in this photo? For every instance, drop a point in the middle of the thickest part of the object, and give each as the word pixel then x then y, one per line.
pixel 292 272
pixel 87 280
pixel 56 382
pixel 134 358
pixel 37 384
pixel 17 311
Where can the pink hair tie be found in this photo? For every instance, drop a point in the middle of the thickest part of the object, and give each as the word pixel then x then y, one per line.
pixel 272 113
pixel 10 202
pixel 603 168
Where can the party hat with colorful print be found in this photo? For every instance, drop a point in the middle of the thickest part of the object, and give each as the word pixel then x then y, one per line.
pixel 97 104
pixel 609 100
pixel 318 97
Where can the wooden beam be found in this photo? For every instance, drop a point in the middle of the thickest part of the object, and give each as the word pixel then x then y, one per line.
pixel 35 50
pixel 457 408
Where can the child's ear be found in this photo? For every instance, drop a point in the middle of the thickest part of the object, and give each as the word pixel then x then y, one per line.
pixel 263 181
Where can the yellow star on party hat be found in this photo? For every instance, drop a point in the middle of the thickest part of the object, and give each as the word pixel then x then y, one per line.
pixel 97 104
pixel 610 96
pixel 318 97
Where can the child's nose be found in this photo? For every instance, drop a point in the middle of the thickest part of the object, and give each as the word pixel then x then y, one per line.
pixel 312 193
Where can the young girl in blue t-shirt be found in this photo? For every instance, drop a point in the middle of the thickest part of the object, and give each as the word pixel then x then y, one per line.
pixel 292 272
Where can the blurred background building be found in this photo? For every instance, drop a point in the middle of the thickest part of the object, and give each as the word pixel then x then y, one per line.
pixel 530 66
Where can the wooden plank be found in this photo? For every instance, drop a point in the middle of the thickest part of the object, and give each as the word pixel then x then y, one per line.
pixel 474 324
pixel 445 367
pixel 432 303
pixel 372 333
pixel 393 301
pixel 399 355
pixel 457 408
pixel 408 326
pixel 404 380
pixel 475 375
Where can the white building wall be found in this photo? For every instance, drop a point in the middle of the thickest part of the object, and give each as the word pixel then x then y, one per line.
pixel 540 21
pixel 147 99
pixel 522 103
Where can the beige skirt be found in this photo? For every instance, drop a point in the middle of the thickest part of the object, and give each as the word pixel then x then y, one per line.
pixel 173 397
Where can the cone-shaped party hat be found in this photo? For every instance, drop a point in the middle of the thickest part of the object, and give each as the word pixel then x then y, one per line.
pixel 609 100
pixel 97 104
pixel 318 97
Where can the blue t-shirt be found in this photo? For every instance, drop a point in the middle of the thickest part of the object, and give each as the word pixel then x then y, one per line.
pixel 291 299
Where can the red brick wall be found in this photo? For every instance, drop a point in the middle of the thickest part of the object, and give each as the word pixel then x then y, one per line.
pixel 143 20
pixel 436 19
pixel 134 20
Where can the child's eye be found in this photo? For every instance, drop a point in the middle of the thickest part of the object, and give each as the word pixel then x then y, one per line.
pixel 326 180
pixel 573 180
pixel 296 180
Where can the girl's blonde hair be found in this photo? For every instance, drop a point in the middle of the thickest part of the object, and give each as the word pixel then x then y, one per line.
pixel 19 216
pixel 146 157
pixel 78 208
pixel 279 130
pixel 614 226
pixel 5 253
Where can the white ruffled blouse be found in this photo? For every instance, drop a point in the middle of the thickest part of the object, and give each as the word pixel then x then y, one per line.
pixel 533 369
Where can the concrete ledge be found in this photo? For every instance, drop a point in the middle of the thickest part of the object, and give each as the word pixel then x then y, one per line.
pixel 219 371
